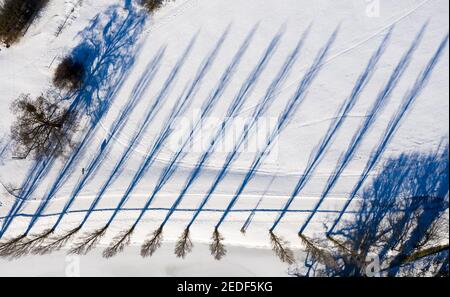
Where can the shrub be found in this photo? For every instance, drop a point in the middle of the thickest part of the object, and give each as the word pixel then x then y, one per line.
pixel 16 16
pixel 43 127
pixel 69 74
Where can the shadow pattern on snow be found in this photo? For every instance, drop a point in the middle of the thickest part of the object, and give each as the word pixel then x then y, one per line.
pixel 283 120
pixel 89 240
pixel 376 108
pixel 319 152
pixel 400 219
pixel 206 110
pixel 222 128
pixel 102 151
pixel 178 109
pixel 108 45
pixel 150 114
pixel 262 107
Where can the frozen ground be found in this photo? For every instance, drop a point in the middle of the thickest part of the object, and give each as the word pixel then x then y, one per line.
pixel 28 66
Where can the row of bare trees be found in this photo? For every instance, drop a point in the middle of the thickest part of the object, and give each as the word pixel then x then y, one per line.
pixel 402 218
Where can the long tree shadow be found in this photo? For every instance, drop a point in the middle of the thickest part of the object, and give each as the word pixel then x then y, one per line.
pixel 394 124
pixel 400 219
pixel 89 240
pixel 283 120
pixel 322 148
pixel 102 151
pixel 235 107
pixel 108 47
pixel 123 239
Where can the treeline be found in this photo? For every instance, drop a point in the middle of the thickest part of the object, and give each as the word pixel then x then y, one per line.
pixel 16 16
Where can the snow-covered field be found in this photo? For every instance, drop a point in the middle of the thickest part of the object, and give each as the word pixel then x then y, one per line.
pixel 241 262
pixel 217 31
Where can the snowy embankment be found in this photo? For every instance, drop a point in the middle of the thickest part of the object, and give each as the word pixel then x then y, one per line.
pixel 244 58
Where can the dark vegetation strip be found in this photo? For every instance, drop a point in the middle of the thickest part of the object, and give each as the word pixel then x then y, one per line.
pixel 112 49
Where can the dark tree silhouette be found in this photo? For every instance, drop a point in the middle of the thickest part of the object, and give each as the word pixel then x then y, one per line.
pixel 9 245
pixel 118 244
pixel 43 128
pixel 24 246
pixel 88 242
pixel 55 243
pixel 16 16
pixel 321 255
